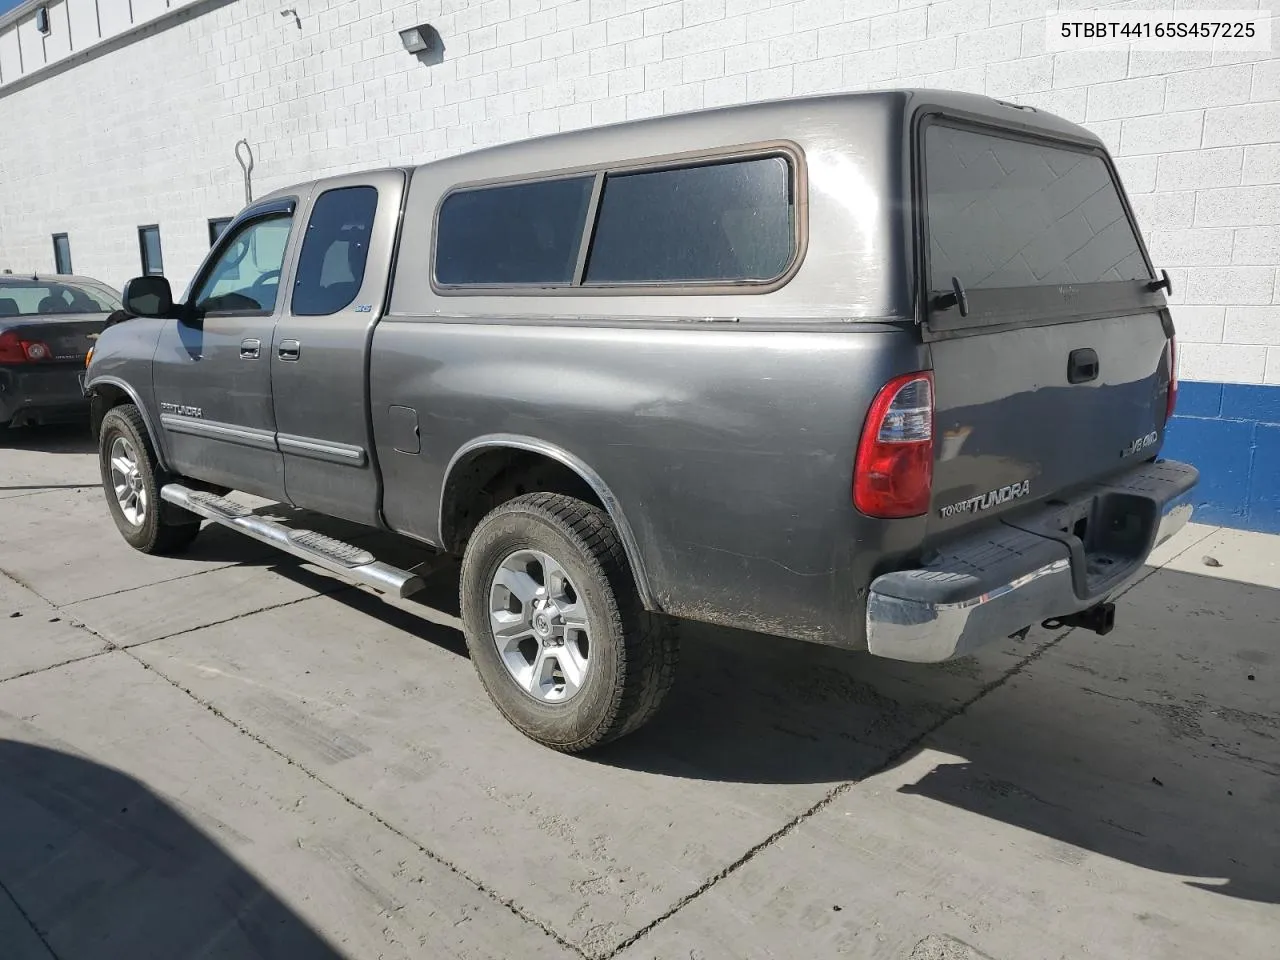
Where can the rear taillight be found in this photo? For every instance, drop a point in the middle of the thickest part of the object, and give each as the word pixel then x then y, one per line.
pixel 13 349
pixel 1171 400
pixel 893 474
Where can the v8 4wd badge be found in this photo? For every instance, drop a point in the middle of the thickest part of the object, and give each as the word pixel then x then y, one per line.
pixel 1138 445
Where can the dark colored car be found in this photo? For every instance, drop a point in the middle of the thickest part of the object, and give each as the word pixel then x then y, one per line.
pixel 889 371
pixel 47 326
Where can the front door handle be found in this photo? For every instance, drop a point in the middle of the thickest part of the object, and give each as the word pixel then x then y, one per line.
pixel 289 350
pixel 250 349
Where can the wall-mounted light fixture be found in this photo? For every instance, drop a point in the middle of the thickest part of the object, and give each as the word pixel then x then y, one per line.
pixel 420 39
pixel 42 20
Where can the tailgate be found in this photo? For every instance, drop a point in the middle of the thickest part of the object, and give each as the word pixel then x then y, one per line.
pixel 1011 428
pixel 1051 352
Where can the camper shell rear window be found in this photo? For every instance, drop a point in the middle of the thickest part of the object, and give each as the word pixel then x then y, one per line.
pixel 1021 223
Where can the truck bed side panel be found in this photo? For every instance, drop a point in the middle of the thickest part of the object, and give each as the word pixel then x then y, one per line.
pixel 729 451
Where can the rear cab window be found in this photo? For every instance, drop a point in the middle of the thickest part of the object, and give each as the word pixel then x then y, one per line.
pixel 1023 224
pixel 717 225
pixel 33 298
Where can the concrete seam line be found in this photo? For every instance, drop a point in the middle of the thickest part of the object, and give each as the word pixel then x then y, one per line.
pixel 238 616
pixel 63 663
pixel 834 794
pixel 1194 543
pixel 31 923
pixel 479 885
pixel 181 576
pixel 111 593
pixel 338 588
pixel 76 623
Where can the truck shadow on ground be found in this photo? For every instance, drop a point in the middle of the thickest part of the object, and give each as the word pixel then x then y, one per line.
pixel 98 865
pixel 72 437
pixel 1158 745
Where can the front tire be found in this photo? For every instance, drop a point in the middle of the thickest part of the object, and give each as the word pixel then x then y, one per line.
pixel 555 627
pixel 131 480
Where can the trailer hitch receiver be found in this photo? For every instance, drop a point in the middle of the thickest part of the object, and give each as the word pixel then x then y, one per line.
pixel 1101 619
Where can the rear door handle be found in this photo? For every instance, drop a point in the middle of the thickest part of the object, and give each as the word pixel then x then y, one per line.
pixel 289 350
pixel 1082 365
pixel 250 349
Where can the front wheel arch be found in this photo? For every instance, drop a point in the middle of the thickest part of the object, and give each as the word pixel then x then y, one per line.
pixel 105 394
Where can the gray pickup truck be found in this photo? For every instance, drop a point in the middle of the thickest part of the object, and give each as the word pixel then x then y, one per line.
pixel 889 371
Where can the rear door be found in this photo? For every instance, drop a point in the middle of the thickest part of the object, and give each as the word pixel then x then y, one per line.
pixel 212 369
pixel 319 354
pixel 1051 352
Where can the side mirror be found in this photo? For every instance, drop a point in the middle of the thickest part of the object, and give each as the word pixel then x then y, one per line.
pixel 148 297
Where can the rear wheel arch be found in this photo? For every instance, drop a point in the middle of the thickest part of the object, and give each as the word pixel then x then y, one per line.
pixel 489 471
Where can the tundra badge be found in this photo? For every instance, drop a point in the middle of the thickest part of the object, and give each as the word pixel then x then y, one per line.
pixel 985 501
pixel 181 410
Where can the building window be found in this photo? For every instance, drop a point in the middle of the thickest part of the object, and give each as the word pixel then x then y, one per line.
pixel 149 247
pixel 216 226
pixel 334 252
pixel 524 234
pixel 61 253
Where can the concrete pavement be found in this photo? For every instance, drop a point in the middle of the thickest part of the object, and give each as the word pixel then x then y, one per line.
pixel 231 754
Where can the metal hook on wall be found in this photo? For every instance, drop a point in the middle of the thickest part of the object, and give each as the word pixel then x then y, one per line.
pixel 246 164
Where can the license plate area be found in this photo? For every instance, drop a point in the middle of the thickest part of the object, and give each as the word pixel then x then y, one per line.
pixel 1108 534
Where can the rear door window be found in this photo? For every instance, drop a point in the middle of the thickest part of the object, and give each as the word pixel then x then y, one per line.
pixel 727 222
pixel 335 250
pixel 524 234
pixel 1007 213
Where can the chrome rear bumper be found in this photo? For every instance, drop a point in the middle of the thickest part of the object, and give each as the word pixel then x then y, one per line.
pixel 1020 572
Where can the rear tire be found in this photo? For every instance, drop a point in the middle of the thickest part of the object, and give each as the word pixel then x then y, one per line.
pixel 581 661
pixel 131 480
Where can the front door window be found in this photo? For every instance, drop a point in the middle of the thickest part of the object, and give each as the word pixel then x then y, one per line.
pixel 245 276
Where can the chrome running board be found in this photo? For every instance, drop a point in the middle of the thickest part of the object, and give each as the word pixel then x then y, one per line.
pixel 344 559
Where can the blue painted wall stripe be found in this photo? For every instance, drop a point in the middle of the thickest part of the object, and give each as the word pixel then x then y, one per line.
pixel 1231 432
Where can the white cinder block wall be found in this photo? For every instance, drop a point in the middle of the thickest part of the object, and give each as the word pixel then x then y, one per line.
pixel 145 133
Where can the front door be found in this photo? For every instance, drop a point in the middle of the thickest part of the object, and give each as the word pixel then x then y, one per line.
pixel 212 369
pixel 319 357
